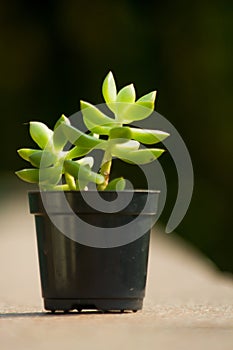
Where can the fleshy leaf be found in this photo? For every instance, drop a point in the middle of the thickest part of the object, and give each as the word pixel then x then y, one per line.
pixel 87 161
pixel 85 143
pixel 141 156
pixel 127 146
pixel 25 153
pixel 125 98
pixel 40 133
pixel 120 133
pixel 117 184
pixel 59 138
pixel 109 90
pixel 130 112
pixel 28 175
pixel 126 94
pixel 81 185
pixel 147 100
pixel 61 120
pixel 93 117
pixel 50 176
pixel 82 172
pixel 101 130
pixel 148 137
pixel 127 112
pixel 47 158
pixel 76 152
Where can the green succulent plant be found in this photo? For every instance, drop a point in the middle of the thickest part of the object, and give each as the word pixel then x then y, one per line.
pixel 54 168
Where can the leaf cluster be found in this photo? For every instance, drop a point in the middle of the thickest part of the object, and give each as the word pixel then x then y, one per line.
pixel 54 168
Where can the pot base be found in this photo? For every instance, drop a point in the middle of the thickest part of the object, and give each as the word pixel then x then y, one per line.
pixel 66 305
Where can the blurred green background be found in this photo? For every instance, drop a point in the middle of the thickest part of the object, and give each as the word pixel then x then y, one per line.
pixel 53 53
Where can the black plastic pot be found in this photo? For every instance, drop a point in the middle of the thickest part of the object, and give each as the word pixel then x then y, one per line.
pixel 77 276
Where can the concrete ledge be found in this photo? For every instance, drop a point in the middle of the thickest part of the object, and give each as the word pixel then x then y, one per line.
pixel 188 302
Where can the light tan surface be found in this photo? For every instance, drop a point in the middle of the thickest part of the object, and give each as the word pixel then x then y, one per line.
pixel 189 305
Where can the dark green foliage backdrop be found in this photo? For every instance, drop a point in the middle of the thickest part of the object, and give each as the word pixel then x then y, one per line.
pixel 53 53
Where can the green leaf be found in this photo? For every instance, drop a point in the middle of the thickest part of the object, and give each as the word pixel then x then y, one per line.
pixel 50 176
pixel 76 152
pixel 28 175
pixel 47 158
pixel 109 89
pixel 82 172
pixel 132 112
pixel 148 137
pixel 101 130
pixel 121 144
pixel 85 143
pixel 126 94
pixel 141 109
pixel 81 185
pixel 125 98
pixel 40 133
pixel 117 184
pixel 61 120
pixel 25 153
pixel 86 161
pixel 128 146
pixel 141 156
pixel 59 138
pixel 120 133
pixel 93 117
pixel 46 176
pixel 148 100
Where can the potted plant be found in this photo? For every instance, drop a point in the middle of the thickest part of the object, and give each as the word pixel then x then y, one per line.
pixel 92 231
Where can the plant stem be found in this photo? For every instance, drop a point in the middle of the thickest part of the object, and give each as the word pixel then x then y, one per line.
pixel 70 182
pixel 105 170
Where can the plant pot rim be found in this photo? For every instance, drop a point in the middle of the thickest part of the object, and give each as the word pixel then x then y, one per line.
pixel 82 201
pixel 102 191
